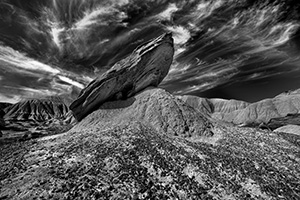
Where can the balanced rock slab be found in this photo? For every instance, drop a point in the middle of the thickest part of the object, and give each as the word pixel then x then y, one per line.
pixel 155 108
pixel 146 66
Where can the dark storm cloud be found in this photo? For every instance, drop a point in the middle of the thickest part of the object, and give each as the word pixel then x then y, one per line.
pixel 52 45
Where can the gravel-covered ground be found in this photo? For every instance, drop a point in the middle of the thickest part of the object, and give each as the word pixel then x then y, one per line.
pixel 132 161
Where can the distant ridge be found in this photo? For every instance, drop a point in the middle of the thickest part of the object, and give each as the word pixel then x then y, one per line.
pixel 37 109
pixel 43 116
pixel 2 113
pixel 273 112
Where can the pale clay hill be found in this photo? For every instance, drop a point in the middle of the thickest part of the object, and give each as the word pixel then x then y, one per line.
pixel 215 108
pixel 142 142
pixel 155 108
pixel 273 112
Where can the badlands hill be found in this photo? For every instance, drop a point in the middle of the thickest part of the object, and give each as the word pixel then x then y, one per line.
pixel 37 109
pixel 137 141
pixel 35 118
pixel 274 112
pixel 2 113
pixel 2 107
pixel 215 108
pixel 38 113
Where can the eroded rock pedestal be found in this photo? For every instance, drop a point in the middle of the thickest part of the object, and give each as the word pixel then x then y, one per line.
pixel 146 66
pixel 155 108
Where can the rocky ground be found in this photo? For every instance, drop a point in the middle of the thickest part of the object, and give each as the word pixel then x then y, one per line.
pixel 11 136
pixel 129 159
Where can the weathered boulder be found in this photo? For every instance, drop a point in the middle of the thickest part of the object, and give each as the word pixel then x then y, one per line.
pixel 146 66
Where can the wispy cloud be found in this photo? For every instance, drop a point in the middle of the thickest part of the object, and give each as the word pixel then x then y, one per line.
pixel 9 98
pixel 20 60
pixel 180 34
pixel 167 14
pixel 70 81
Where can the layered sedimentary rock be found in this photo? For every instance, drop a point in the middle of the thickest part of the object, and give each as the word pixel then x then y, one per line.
pixel 203 105
pixel 146 66
pixel 42 115
pixel 215 108
pixel 3 106
pixel 274 112
pixel 265 110
pixel 37 109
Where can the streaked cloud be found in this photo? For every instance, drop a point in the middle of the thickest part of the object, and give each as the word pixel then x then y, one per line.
pixel 180 34
pixel 167 14
pixel 20 60
pixel 70 81
pixel 61 44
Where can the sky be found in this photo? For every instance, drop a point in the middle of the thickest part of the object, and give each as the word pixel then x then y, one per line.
pixel 232 49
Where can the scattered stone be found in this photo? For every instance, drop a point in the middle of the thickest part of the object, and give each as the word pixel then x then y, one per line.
pixel 146 66
pixel 30 135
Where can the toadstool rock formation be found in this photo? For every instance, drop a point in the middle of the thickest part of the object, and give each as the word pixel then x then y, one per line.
pixel 153 107
pixel 146 66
